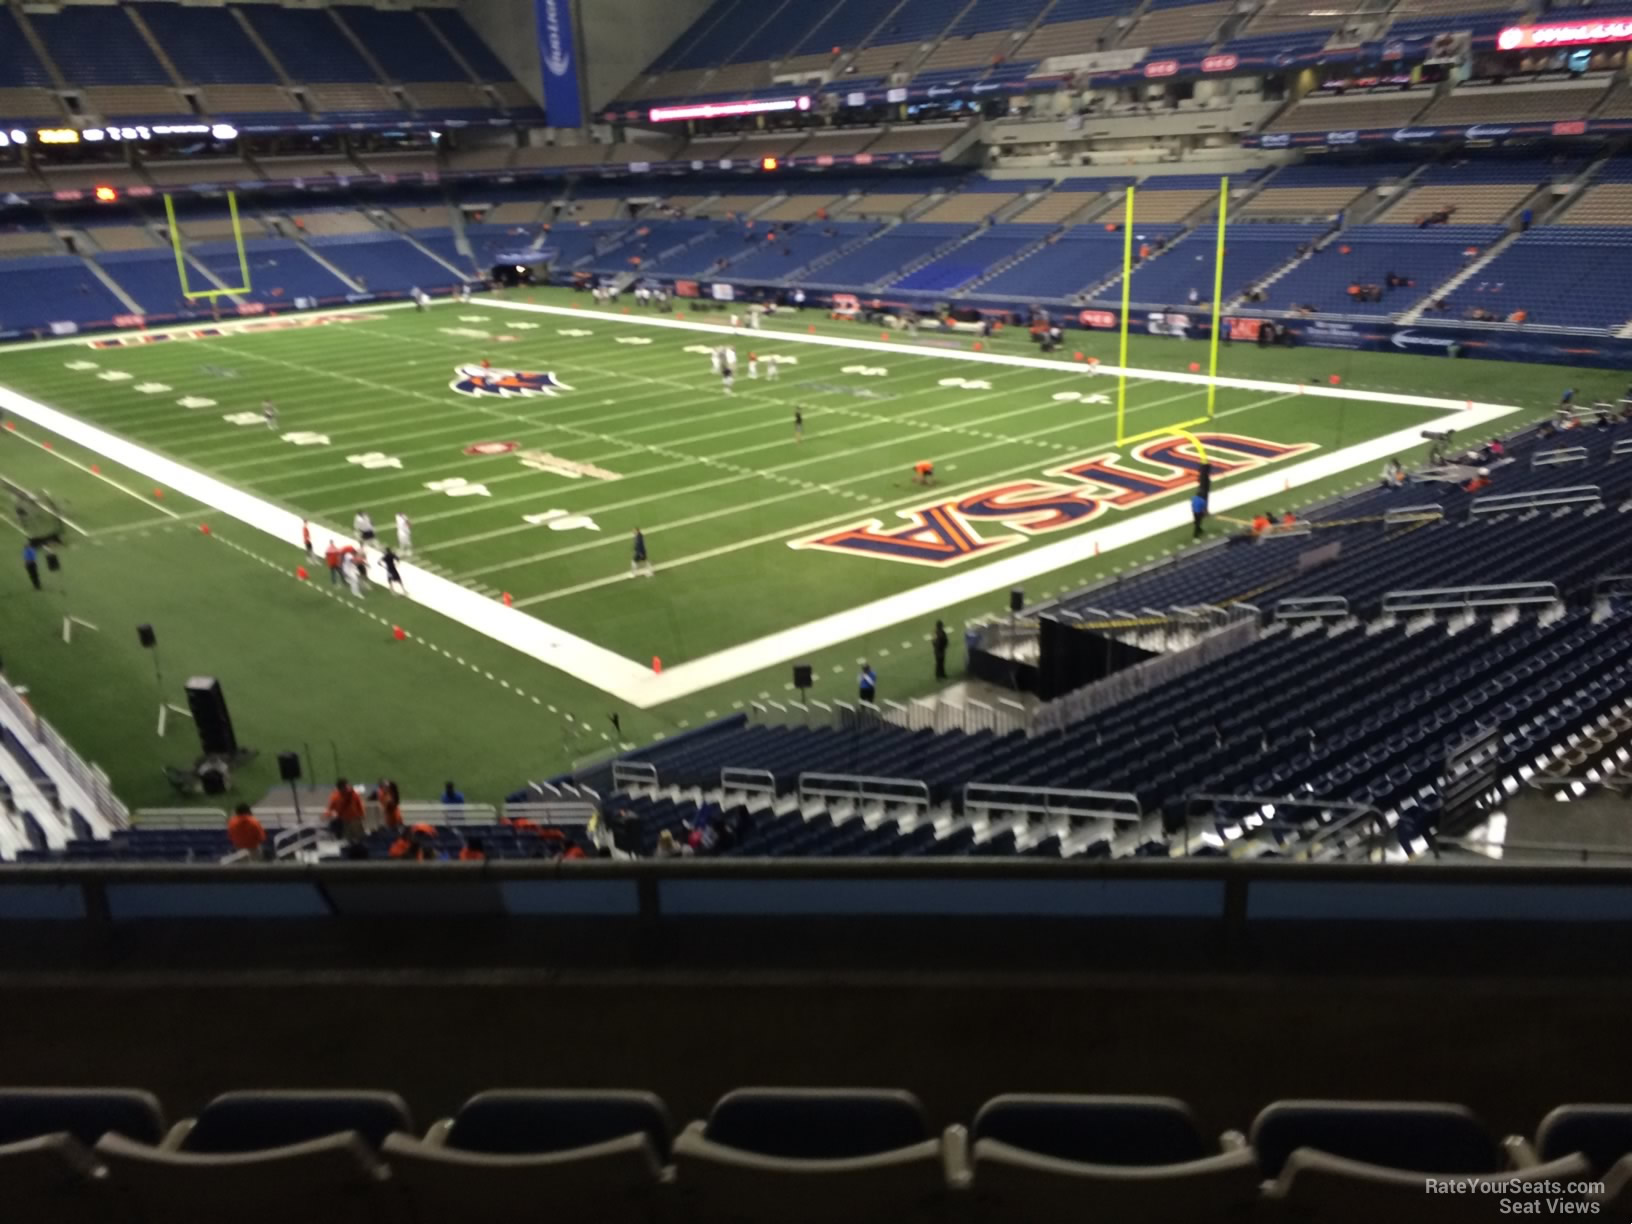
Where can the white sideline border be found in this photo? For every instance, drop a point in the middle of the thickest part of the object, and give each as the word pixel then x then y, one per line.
pixel 635 685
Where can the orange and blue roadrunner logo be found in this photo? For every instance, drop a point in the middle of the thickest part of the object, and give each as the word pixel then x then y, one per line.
pixel 484 380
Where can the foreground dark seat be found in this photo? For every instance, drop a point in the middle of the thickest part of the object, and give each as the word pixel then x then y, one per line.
pixel 817 1156
pixel 46 1134
pixel 266 1157
pixel 1603 1134
pixel 1339 1162
pixel 1045 1158
pixel 594 1157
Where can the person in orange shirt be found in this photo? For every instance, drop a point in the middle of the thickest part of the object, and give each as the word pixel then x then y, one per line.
pixel 306 538
pixel 1260 524
pixel 245 832
pixel 472 851
pixel 1289 519
pixel 345 811
pixel 923 472
pixel 389 797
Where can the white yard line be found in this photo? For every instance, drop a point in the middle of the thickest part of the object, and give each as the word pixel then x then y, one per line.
pixel 74 463
pixel 635 684
pixel 250 324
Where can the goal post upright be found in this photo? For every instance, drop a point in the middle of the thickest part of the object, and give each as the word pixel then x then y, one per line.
pixel 1127 289
pixel 1218 296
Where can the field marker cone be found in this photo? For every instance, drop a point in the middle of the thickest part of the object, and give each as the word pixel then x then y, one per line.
pixel 397 633
pixel 1335 379
pixel 883 335
pixel 657 665
pixel 1076 356
pixel 46 445
pixel 978 346
pixel 1195 367
pixel 679 314
pixel 96 469
pixel 300 572
pixel 507 599
pixel 204 529
pixel 10 425
pixel 810 329
pixel 158 494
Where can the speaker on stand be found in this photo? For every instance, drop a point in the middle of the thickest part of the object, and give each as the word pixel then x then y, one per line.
pixel 289 771
pixel 150 641
pixel 802 682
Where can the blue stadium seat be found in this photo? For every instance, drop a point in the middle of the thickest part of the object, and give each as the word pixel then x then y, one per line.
pixel 1139 1160
pixel 813 1155
pixel 594 1156
pixel 265 1157
pixel 1601 1133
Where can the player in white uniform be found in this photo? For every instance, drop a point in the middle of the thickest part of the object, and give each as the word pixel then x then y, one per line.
pixel 728 367
pixel 772 368
pixel 716 357
pixel 269 413
pixel 753 365
pixel 405 535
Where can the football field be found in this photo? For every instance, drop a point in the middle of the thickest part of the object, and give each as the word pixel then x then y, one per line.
pixel 527 477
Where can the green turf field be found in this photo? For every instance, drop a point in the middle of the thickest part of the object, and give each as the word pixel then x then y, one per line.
pixel 719 486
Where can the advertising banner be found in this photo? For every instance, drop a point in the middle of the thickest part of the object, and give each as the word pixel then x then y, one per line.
pixel 563 96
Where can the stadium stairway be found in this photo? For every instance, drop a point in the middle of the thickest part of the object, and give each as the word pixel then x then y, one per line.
pixel 1446 288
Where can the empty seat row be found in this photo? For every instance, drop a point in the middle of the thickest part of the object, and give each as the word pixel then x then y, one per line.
pixel 89 1156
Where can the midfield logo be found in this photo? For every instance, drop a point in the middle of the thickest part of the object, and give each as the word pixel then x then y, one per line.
pixel 942 533
pixel 481 380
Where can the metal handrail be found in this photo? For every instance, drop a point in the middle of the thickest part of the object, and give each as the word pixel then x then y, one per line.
pixel 633 773
pixel 1307 607
pixel 1352 815
pixel 178 818
pixel 287 843
pixel 1560 454
pixel 1053 801
pixel 86 776
pixel 1536 499
pixel 863 788
pixel 562 812
pixel 1426 512
pixel 733 777
pixel 1503 594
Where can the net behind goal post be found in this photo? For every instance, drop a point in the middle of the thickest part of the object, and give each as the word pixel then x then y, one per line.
pixel 36 513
